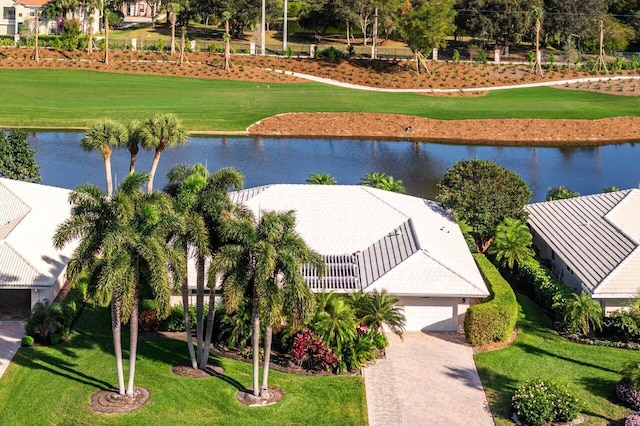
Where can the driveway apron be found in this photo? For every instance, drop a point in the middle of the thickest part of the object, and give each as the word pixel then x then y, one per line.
pixel 11 333
pixel 426 379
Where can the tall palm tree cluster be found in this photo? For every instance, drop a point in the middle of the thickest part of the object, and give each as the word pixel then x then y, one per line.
pixel 134 242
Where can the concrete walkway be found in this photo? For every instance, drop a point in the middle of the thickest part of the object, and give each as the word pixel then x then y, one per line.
pixel 467 89
pixel 426 379
pixel 11 333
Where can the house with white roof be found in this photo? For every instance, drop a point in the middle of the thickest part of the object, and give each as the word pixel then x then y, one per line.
pixel 19 13
pixel 31 268
pixel 592 243
pixel 372 240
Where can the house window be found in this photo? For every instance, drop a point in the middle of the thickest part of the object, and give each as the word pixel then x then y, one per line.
pixel 8 13
pixel 142 9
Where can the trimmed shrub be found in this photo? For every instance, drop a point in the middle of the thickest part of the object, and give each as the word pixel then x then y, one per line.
pixel 332 54
pixel 311 352
pixel 628 395
pixel 495 319
pixel 538 402
pixel 27 341
pixel 548 291
pixel 175 320
pixel 148 320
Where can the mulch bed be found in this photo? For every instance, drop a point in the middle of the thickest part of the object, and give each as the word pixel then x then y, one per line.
pixel 247 398
pixel 110 401
pixel 184 369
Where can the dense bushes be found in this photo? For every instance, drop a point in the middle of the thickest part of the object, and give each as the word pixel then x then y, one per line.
pixel 538 402
pixel 495 319
pixel 547 290
pixel 628 395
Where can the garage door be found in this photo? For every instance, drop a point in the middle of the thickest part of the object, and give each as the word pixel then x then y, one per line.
pixel 15 304
pixel 430 314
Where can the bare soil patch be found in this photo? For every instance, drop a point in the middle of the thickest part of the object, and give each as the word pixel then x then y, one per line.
pixel 508 132
pixel 185 370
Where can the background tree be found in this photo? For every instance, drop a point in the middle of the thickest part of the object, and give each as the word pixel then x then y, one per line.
pixel 512 244
pixel 243 14
pixel 560 193
pixel 483 194
pixel 321 179
pixel 383 181
pixel 159 132
pixel 103 137
pixel 17 159
pixel 425 25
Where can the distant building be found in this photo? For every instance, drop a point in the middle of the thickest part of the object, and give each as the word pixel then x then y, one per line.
pixel 31 268
pixel 18 13
pixel 591 243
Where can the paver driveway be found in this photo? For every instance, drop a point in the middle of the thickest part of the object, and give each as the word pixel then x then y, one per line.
pixel 11 333
pixel 426 379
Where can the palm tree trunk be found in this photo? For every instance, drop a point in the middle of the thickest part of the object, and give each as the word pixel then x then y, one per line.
pixel 90 44
pixel 133 341
pixel 187 323
pixel 36 51
pixel 106 39
pixel 132 163
pixel 209 332
pixel 152 172
pixel 116 329
pixel 255 341
pixel 227 46
pixel 183 35
pixel 268 334
pixel 200 308
pixel 107 171
pixel 173 35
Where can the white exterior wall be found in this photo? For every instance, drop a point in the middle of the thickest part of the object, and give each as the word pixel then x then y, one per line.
pixel 431 313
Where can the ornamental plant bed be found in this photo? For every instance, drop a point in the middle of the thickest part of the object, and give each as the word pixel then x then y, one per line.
pixel 365 72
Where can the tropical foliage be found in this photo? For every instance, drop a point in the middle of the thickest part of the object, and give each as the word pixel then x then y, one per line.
pixel 17 159
pixel 560 193
pixel 321 179
pixel 383 181
pixel 583 313
pixel 123 246
pixel 512 243
pixel 483 194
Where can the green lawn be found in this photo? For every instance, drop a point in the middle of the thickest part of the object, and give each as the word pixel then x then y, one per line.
pixel 75 98
pixel 52 385
pixel 539 352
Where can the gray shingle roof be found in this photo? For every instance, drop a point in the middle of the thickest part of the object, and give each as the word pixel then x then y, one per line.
pixel 588 234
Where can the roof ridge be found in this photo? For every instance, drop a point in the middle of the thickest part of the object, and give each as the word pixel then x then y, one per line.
pixel 467 280
pixel 373 194
pixel 17 253
pixel 610 222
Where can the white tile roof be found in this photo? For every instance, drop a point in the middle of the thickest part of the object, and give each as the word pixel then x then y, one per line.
pixel 406 244
pixel 27 255
pixel 597 236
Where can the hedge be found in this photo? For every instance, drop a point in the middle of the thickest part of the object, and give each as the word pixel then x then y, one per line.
pixel 548 291
pixel 495 319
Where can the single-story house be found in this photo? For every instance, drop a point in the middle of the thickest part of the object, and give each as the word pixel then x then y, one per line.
pixel 372 240
pixel 591 243
pixel 31 268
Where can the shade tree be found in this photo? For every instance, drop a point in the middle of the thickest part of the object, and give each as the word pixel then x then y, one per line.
pixel 17 158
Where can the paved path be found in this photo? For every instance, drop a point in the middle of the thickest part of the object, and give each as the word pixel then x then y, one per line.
pixel 11 333
pixel 466 89
pixel 427 379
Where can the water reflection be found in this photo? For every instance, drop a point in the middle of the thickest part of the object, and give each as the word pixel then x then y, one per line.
pixel 420 165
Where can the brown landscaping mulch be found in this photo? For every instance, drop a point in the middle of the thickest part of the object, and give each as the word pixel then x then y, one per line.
pixel 185 370
pixel 247 398
pixel 110 401
pixel 508 132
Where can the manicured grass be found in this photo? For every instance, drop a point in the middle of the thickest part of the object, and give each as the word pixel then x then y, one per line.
pixel 52 385
pixel 539 352
pixel 69 98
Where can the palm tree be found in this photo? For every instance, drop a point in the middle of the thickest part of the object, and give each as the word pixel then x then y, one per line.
pixel 383 181
pixel 102 137
pixel 122 239
pixel 321 179
pixel 36 51
pixel 173 9
pixel 512 244
pixel 133 143
pixel 226 16
pixel 264 260
pixel 380 308
pixel 159 132
pixel 583 313
pixel 334 322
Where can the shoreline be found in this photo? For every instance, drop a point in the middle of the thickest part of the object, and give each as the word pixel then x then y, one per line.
pixel 483 132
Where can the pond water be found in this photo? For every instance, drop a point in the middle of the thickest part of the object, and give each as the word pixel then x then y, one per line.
pixel 420 165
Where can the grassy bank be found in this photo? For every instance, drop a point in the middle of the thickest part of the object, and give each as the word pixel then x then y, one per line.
pixel 52 385
pixel 591 371
pixel 74 98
